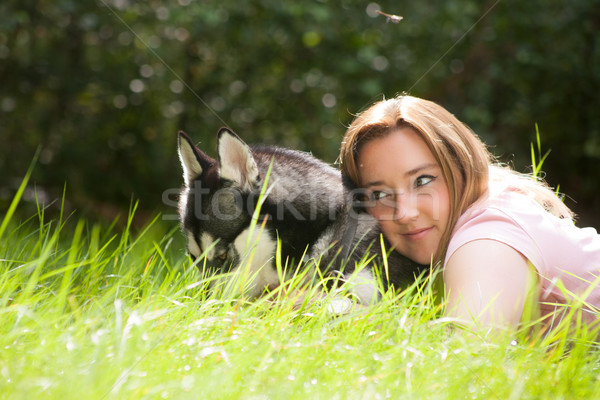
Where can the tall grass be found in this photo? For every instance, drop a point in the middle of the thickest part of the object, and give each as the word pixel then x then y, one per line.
pixel 101 312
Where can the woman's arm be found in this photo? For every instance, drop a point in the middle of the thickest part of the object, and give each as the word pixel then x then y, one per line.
pixel 487 283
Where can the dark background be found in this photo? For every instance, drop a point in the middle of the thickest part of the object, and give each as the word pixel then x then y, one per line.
pixel 102 87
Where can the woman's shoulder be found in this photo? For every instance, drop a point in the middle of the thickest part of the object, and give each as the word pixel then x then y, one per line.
pixel 508 203
pixel 511 208
pixel 514 218
pixel 506 206
pixel 507 216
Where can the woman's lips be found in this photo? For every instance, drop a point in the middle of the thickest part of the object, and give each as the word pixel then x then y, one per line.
pixel 417 234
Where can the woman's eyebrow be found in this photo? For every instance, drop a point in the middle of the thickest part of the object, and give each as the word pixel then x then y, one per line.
pixel 418 169
pixel 408 173
pixel 376 183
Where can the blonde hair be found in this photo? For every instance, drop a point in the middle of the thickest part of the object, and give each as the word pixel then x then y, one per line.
pixel 466 164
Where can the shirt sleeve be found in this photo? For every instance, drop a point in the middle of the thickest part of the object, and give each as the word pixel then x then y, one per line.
pixel 494 224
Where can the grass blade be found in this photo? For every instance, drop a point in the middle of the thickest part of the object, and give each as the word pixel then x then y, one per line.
pixel 17 198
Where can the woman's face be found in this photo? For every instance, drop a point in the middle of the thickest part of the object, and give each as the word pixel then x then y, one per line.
pixel 407 192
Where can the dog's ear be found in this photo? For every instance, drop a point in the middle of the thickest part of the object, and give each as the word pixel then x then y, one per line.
pixel 193 160
pixel 235 159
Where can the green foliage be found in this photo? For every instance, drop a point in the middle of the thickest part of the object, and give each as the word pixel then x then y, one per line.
pixel 104 86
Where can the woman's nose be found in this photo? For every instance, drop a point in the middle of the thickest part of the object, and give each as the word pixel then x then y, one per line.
pixel 406 208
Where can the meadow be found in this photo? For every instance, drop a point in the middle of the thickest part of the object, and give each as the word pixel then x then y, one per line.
pixel 113 312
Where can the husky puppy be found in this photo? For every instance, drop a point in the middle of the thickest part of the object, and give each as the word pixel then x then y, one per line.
pixel 303 216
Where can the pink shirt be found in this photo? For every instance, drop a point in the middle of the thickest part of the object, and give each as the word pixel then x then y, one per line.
pixel 556 247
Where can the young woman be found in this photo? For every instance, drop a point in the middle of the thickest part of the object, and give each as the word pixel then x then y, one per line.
pixel 507 244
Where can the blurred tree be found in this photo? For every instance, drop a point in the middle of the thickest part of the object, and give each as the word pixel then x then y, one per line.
pixel 104 86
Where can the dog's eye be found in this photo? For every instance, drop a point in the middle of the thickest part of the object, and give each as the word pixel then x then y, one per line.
pixel 222 256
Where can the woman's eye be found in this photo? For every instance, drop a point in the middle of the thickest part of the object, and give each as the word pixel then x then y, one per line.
pixel 378 195
pixel 424 180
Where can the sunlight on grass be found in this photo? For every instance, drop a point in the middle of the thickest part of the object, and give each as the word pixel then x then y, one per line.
pixel 97 312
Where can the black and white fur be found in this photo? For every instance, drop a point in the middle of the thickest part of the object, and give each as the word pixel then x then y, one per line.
pixel 304 208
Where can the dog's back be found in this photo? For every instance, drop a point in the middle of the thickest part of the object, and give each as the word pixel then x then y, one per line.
pixel 305 196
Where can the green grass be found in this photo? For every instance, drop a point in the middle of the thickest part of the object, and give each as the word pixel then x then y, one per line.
pixel 101 312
